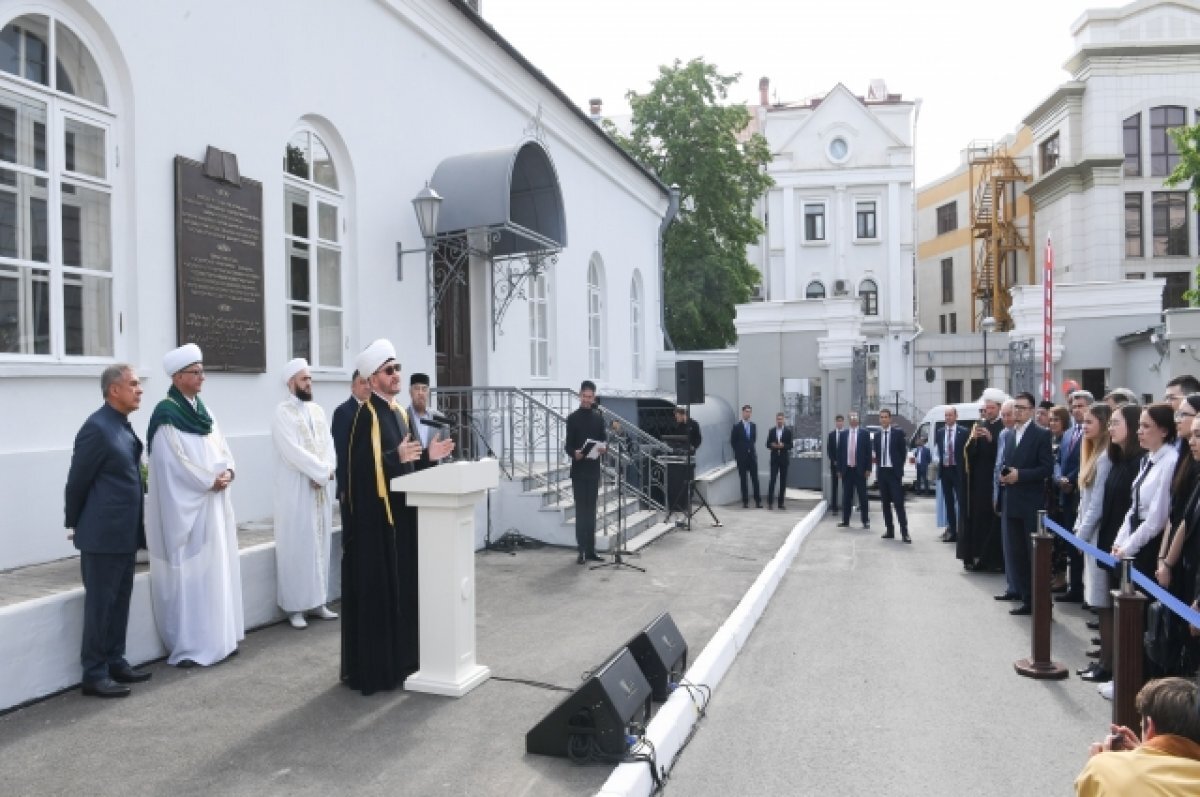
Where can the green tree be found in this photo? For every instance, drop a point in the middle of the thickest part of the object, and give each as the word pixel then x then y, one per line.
pixel 1187 139
pixel 684 131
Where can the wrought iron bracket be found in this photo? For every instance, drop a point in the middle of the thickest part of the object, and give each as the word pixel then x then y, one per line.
pixel 510 277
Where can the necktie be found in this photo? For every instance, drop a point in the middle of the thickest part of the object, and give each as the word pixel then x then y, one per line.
pixel 885 459
pixel 1075 439
pixel 851 452
pixel 950 446
pixel 746 426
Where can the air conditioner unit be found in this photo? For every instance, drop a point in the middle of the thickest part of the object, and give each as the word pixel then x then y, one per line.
pixel 839 288
pixel 756 293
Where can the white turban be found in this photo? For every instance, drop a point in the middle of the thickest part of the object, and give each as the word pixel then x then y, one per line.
pixel 994 394
pixel 371 358
pixel 178 359
pixel 294 367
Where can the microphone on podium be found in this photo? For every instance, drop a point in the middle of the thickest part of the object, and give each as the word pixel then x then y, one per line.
pixel 436 421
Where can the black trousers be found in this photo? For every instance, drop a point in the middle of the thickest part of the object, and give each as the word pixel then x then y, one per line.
pixel 1021 526
pixel 952 495
pixel 834 479
pixel 779 468
pixel 749 466
pixel 107 585
pixel 891 495
pixel 584 490
pixel 854 480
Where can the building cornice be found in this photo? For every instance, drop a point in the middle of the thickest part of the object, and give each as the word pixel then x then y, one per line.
pixel 1088 52
pixel 1066 91
pixel 1074 176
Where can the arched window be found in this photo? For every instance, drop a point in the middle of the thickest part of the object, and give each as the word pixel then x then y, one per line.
pixel 636 324
pixel 56 194
pixel 868 292
pixel 539 327
pixel 313 209
pixel 815 290
pixel 595 313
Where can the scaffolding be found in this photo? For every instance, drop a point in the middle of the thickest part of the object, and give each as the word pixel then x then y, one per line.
pixel 999 236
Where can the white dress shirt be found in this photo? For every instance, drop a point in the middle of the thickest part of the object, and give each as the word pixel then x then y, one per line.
pixel 1151 502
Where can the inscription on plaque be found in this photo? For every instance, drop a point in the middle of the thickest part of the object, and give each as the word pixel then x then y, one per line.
pixel 219 268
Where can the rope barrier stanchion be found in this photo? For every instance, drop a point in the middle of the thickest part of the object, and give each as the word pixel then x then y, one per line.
pixel 1039 665
pixel 1129 612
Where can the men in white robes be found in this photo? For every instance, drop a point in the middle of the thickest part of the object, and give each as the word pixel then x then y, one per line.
pixel 305 466
pixel 195 574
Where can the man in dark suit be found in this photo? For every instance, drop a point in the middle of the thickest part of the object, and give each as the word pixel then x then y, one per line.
pixel 854 463
pixel 584 424
pixel 1028 462
pixel 741 439
pixel 1067 473
pixel 104 508
pixel 949 449
pixel 890 453
pixel 343 418
pixel 831 450
pixel 779 443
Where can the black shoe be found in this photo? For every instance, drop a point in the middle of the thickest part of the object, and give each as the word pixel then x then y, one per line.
pixel 579 559
pixel 186 664
pixel 758 505
pixel 888 535
pixel 1093 625
pixel 867 526
pixel 126 675
pixel 105 687
pixel 1007 596
pixel 745 504
pixel 843 525
pixel 907 538
pixel 1022 610
pixel 1069 597
pixel 950 538
pixel 592 557
pixel 1097 675
pixel 1081 670
pixel 781 505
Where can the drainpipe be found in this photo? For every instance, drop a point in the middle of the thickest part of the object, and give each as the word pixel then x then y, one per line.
pixel 668 219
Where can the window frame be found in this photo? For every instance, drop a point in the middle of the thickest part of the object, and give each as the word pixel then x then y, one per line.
pixel 637 308
pixel 1135 232
pixel 869 298
pixel 539 315
pixel 823 239
pixel 1173 199
pixel 809 293
pixel 595 317
pixel 947 217
pixel 1169 155
pixel 947 264
pixel 1050 153
pixel 874 237
pixel 1133 157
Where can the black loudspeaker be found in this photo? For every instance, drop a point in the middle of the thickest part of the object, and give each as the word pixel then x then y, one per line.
pixel 689 382
pixel 594 719
pixel 660 651
pixel 679 477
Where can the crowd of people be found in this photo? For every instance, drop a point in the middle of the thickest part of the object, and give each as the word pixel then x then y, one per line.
pixel 171 497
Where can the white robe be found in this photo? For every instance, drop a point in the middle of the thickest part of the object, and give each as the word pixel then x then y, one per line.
pixel 303 514
pixel 195 573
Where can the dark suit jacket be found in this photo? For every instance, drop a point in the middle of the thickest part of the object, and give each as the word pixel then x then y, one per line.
pixel 831 448
pixel 1033 458
pixel 780 455
pixel 897 449
pixel 961 436
pixel 743 448
pixel 862 454
pixel 343 417
pixel 103 496
pixel 1068 462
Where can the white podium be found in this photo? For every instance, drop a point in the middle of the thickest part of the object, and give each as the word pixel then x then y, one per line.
pixel 445 498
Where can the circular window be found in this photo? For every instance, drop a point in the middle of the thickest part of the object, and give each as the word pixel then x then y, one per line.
pixel 839 150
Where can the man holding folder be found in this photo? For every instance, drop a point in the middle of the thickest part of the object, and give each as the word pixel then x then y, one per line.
pixel 584 444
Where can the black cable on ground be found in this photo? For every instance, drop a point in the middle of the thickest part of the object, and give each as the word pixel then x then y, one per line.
pixel 538 684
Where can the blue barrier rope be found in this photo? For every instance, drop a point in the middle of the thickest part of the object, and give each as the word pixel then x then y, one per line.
pixel 1151 586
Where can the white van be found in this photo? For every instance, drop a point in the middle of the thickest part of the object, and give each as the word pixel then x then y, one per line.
pixel 932 424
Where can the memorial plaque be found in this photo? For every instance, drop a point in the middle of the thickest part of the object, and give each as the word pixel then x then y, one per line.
pixel 219 267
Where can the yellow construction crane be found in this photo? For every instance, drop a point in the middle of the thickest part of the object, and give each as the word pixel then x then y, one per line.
pixel 999 231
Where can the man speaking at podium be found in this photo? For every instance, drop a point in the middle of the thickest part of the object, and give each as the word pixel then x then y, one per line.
pixel 379 610
pixel 585 441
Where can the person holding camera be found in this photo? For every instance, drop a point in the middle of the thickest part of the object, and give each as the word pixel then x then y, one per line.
pixel 1165 761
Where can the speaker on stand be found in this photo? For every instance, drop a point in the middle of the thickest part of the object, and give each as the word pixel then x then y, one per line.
pixel 689 382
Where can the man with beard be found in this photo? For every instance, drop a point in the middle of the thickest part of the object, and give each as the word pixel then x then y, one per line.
pixel 979 545
pixel 379 606
pixel 305 465
pixel 418 394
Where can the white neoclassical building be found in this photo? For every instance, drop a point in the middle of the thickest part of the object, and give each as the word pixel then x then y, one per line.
pixel 309 127
pixel 839 225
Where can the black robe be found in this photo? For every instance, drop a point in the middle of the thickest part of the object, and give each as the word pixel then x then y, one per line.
pixel 378 568
pixel 979 533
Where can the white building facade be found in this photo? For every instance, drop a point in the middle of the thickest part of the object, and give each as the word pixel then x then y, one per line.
pixel 342 113
pixel 840 219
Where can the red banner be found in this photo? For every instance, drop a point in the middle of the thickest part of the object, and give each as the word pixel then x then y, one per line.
pixel 1047 319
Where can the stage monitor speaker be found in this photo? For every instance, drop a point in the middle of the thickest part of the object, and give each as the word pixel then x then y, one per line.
pixel 660 651
pixel 689 382
pixel 595 718
pixel 679 479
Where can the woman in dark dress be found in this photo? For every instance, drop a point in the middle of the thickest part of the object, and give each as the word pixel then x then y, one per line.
pixel 1178 567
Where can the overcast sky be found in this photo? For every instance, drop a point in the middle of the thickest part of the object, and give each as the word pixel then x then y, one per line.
pixel 978 67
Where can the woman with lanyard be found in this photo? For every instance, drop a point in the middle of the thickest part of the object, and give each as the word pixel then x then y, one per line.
pixel 1150 511
pixel 1094 468
pixel 1125 455
pixel 1178 568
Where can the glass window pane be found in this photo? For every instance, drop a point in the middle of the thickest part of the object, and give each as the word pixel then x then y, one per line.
pixel 322 165
pixel 299 337
pixel 295 212
pixel 76 71
pixel 327 221
pixel 24 226
pixel 295 156
pixel 298 272
pixel 24 48
pixel 24 310
pixel 22 130
pixel 87 315
pixel 86 228
pixel 331 339
pixel 329 277
pixel 83 148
